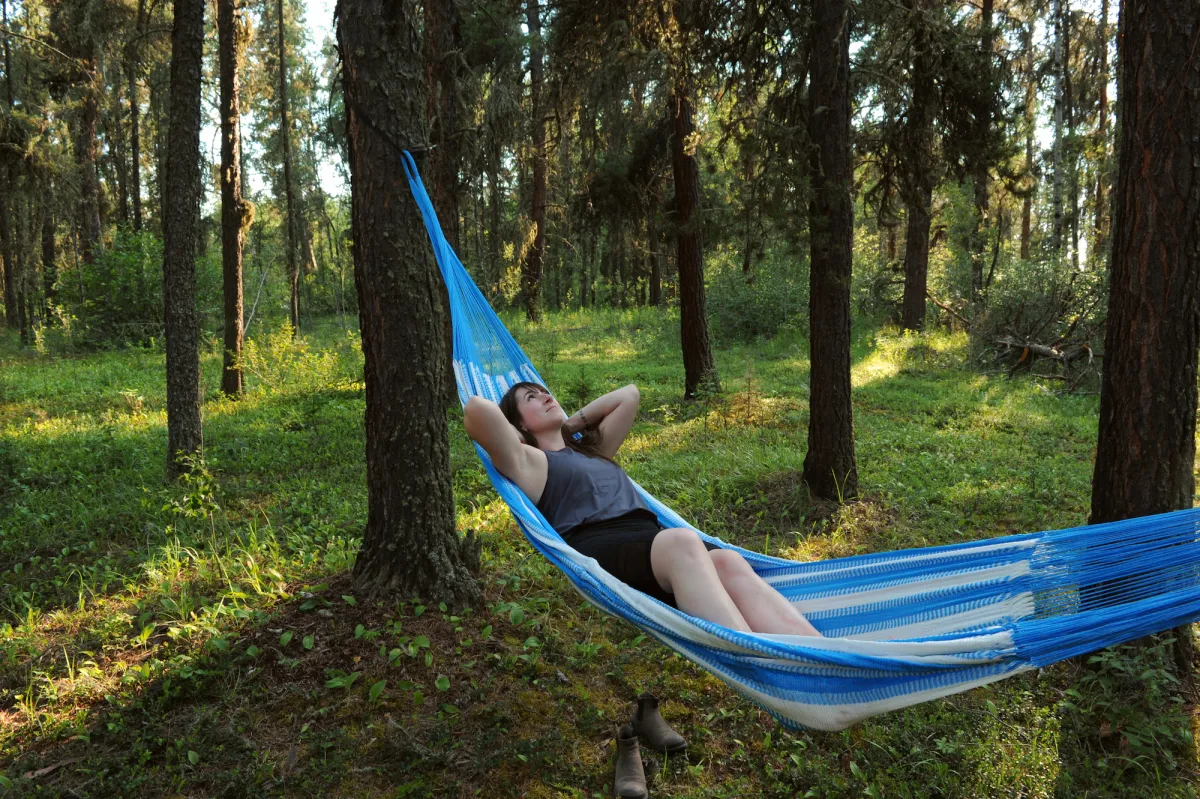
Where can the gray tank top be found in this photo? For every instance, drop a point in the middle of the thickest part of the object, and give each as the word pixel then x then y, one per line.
pixel 581 489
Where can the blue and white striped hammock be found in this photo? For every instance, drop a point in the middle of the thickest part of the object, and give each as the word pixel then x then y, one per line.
pixel 900 627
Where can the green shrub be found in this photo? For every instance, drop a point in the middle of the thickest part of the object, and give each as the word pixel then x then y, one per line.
pixel 744 309
pixel 118 300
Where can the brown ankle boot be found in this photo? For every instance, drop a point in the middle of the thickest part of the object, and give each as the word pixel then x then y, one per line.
pixel 631 778
pixel 653 729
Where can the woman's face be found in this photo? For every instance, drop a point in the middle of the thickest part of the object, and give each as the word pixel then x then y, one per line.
pixel 539 412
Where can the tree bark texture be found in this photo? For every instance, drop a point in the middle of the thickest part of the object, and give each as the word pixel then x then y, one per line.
pixel 1101 229
pixel 1146 447
pixel 234 212
pixel 1146 450
pixel 698 364
pixel 916 261
pixel 1059 66
pixel 7 192
pixel 918 170
pixel 830 469
pixel 410 545
pixel 531 271
pixel 655 259
pixel 49 257
pixel 1030 125
pixel 180 233
pixel 980 177
pixel 118 151
pixel 285 133
pixel 86 145
pixel 135 133
pixel 443 54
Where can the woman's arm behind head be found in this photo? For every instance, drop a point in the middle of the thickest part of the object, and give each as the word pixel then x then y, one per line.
pixel 485 423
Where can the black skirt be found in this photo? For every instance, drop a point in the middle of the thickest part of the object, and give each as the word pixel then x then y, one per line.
pixel 622 548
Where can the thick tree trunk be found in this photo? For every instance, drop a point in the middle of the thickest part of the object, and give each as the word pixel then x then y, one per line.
pixel 285 133
pixel 698 364
pixel 531 271
pixel 1146 449
pixel 410 545
pixel 916 262
pixel 830 469
pixel 234 212
pixel 180 232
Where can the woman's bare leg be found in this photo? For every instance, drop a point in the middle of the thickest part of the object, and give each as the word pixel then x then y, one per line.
pixel 682 566
pixel 764 609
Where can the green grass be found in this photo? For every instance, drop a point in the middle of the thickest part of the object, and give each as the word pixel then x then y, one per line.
pixel 203 639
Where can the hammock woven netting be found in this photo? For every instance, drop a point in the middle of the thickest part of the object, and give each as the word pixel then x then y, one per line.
pixel 899 627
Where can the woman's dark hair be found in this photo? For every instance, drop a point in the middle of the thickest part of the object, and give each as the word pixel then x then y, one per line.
pixel 588 445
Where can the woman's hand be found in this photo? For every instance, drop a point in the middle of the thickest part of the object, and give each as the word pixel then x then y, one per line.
pixel 612 414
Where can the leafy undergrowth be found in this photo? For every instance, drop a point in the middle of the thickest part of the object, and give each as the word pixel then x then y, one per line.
pixel 205 639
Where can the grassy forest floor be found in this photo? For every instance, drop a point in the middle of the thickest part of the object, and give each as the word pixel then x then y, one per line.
pixel 204 639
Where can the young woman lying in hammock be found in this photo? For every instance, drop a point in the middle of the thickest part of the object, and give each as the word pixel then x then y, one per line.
pixel 593 505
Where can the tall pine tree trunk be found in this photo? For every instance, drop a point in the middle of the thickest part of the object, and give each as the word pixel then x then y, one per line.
pixel 285 132
pixel 830 469
pixel 135 132
pixel 180 233
pixel 698 364
pixel 918 170
pixel 410 545
pixel 119 154
pixel 1145 454
pixel 1059 68
pixel 1030 125
pixel 49 258
pixel 234 212
pixel 1101 228
pixel 979 172
pixel 654 255
pixel 86 145
pixel 1072 149
pixel 1146 448
pixel 916 260
pixel 443 54
pixel 7 192
pixel 495 271
pixel 443 46
pixel 531 271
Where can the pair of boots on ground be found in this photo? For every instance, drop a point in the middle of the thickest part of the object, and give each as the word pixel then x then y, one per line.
pixel 649 725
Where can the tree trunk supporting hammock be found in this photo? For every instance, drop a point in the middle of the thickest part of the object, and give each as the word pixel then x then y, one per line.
pixel 900 627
